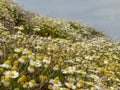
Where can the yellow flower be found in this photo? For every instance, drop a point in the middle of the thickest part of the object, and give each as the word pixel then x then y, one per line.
pixel 46 60
pixel 101 85
pixel 56 81
pixel 56 67
pixel 43 77
pixel 5 33
pixel 56 78
pixel 32 83
pixel 22 59
pixel 70 85
pixel 39 58
pixel 31 68
pixel 1 70
pixel 21 79
pixel 5 81
pixel 66 89
pixel 92 84
pixel 14 68
pixel 15 55
pixel 29 52
pixel 114 86
pixel 21 48
pixel 1 52
pixel 6 64
pixel 9 57
pixel 26 85
pixel 16 63
pixel 57 88
pixel 46 65
pixel 80 83
pixel 16 89
pixel 50 86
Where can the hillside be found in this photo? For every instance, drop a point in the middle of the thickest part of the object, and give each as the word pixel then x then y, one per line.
pixel 45 53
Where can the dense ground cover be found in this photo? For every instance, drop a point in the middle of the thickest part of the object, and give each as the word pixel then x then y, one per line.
pixel 41 53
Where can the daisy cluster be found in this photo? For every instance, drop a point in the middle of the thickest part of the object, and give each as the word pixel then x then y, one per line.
pixel 44 53
pixel 33 62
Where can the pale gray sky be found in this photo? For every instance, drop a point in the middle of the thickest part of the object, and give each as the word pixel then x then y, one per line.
pixel 101 14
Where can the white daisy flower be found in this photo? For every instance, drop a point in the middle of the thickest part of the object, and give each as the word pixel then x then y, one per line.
pixel 36 63
pixel 69 70
pixel 32 83
pixel 106 62
pixel 31 68
pixel 70 85
pixel 46 60
pixel 6 64
pixel 17 50
pixel 56 67
pixel 22 59
pixel 80 83
pixel 11 74
pixel 26 85
pixel 5 81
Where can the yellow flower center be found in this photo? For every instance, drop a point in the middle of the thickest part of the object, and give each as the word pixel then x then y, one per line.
pixel 21 48
pixel 50 86
pixel 15 55
pixel 56 81
pixel 80 81
pixel 21 79
pixel 66 89
pixel 14 68
pixel 91 83
pixel 70 85
pixel 57 66
pixel 16 89
pixel 16 62
pixel 31 66
pixel 47 58
pixel 43 77
pixel 7 79
pixel 29 52
pixel 114 86
pixel 100 84
pixel 94 77
pixel 1 69
pixel 26 84
pixel 23 57
pixel 11 74
pixel 66 69
pixel 7 62
pixel 57 88
pixel 39 58
pixel 33 81
pixel 35 63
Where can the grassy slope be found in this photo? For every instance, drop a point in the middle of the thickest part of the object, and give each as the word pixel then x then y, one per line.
pixel 13 15
pixel 69 45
